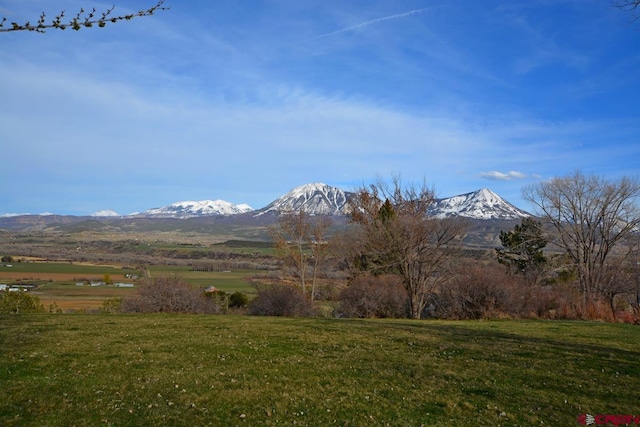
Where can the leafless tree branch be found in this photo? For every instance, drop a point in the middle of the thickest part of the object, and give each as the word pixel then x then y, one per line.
pixel 83 19
pixel 590 216
pixel 631 6
pixel 398 237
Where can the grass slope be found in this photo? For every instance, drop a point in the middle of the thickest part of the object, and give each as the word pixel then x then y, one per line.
pixel 182 370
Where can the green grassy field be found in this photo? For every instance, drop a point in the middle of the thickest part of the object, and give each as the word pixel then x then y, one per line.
pixel 227 281
pixel 57 281
pixel 187 370
pixel 27 268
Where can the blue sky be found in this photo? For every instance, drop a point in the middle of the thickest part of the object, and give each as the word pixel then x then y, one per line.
pixel 244 100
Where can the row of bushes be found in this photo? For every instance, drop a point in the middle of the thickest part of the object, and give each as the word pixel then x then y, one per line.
pixel 479 292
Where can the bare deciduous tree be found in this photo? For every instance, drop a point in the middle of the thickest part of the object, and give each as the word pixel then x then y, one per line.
pixel 83 19
pixel 633 255
pixel 622 275
pixel 300 243
pixel 590 216
pixel 396 236
pixel 319 248
pixel 631 6
pixel 617 279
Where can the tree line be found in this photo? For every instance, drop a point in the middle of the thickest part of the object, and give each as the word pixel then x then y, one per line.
pixel 579 257
pixel 580 252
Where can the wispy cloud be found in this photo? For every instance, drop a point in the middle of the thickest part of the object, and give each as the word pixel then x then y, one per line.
pixel 370 22
pixel 504 176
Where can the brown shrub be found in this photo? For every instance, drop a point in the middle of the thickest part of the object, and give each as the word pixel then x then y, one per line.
pixel 476 292
pixel 280 300
pixel 373 296
pixel 168 295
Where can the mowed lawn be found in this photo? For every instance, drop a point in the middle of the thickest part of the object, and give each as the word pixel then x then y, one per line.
pixel 188 370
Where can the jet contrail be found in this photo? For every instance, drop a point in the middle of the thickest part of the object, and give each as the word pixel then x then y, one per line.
pixel 367 23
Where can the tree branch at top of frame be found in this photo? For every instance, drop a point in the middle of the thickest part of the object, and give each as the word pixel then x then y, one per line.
pixel 631 6
pixel 83 19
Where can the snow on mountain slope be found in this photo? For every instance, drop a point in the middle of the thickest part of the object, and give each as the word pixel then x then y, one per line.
pixel 105 213
pixel 322 199
pixel 481 204
pixel 190 209
pixel 315 199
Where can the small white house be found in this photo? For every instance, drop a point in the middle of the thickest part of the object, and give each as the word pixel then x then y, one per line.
pixel 3 286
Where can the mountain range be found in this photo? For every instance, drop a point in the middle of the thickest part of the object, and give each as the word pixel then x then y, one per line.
pixel 322 199
pixel 195 209
pixel 488 213
pixel 212 216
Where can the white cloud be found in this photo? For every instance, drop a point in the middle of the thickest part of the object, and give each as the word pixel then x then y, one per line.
pixel 503 176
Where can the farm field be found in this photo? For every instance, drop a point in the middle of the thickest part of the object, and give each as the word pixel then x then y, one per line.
pixel 186 370
pixel 57 282
pixel 226 280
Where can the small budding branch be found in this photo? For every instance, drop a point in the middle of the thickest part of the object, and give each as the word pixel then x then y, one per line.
pixel 83 19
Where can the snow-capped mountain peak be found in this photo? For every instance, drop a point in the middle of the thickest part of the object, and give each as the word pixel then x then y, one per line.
pixel 480 204
pixel 315 199
pixel 322 199
pixel 190 209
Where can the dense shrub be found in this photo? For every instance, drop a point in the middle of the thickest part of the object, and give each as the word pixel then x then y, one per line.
pixel 328 290
pixel 477 292
pixel 19 303
pixel 238 300
pixel 488 290
pixel 373 296
pixel 280 300
pixel 168 295
pixel 111 305
pixel 54 308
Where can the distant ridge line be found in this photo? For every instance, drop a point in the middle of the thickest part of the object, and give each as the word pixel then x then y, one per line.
pixel 320 199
